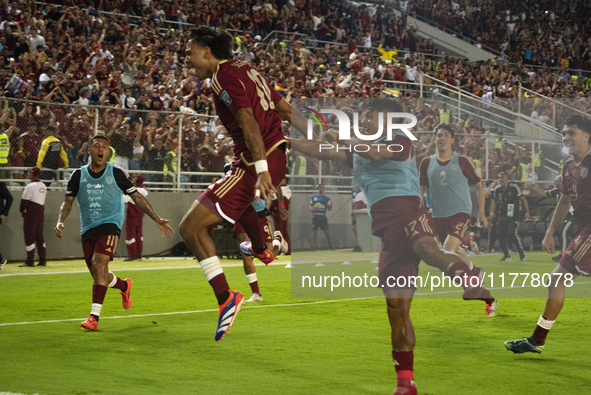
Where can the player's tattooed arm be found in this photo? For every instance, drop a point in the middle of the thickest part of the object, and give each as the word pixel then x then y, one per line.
pixel 252 133
pixel 64 212
pixel 143 203
pixel 254 142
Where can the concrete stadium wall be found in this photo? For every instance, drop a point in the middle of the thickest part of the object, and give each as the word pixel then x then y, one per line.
pixel 339 221
pixel 12 242
pixel 172 207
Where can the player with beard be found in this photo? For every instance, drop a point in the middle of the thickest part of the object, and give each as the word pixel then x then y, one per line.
pixel 99 187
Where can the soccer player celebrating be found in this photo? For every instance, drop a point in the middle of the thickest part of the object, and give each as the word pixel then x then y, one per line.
pixel 99 188
pixel 447 177
pixel 391 184
pixel 251 112
pixel 576 190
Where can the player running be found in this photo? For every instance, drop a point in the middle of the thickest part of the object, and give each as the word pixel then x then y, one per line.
pixel 447 178
pixel 576 190
pixel 99 188
pixel 251 112
pixel 391 184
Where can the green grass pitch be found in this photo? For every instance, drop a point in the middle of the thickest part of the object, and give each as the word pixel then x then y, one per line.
pixel 165 343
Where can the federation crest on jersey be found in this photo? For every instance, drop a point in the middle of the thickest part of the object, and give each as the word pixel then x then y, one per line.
pixel 225 98
pixel 584 172
pixel 454 167
pixel 109 180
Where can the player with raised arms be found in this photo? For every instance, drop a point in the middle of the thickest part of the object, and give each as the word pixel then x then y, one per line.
pixel 251 112
pixel 99 187
pixel 446 177
pixel 391 184
pixel 576 261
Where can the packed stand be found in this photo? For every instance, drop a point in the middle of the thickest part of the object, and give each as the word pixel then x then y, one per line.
pixel 56 56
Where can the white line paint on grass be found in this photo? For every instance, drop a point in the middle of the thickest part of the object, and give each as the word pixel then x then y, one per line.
pixel 187 312
pixel 133 268
pixel 255 307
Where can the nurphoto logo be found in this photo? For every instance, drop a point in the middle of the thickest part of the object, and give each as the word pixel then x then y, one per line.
pixel 345 126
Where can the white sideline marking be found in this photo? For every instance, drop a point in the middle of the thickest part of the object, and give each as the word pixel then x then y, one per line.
pixel 187 312
pixel 257 307
pixel 133 268
pixel 13 393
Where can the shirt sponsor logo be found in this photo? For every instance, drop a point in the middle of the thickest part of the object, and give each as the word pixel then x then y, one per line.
pixel 224 97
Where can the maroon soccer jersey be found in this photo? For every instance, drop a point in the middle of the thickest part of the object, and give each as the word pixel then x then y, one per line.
pixel 236 85
pixel 465 166
pixel 577 183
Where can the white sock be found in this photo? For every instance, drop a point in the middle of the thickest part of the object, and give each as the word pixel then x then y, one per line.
pixel 546 324
pixel 251 278
pixel 211 267
pixel 96 309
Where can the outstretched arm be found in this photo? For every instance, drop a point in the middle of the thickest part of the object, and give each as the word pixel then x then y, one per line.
pixel 64 212
pixel 144 204
pixel 314 148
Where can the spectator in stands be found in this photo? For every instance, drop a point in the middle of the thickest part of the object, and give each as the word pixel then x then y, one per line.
pixel 156 155
pixel 50 154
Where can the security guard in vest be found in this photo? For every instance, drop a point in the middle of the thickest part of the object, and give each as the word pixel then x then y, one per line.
pixel 505 213
pixel 499 141
pixel 444 115
pixel 477 164
pixel 50 153
pixel 4 154
pixel 522 172
pixel 538 157
pixel 299 168
pixel 170 164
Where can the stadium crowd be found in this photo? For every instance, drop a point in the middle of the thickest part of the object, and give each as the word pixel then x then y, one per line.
pixel 134 63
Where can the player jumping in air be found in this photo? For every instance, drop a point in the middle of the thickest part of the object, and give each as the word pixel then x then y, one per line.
pixel 251 112
pixel 576 261
pixel 99 188
pixel 391 184
pixel 447 176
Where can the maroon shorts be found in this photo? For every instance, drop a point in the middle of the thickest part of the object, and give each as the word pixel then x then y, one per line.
pixel 400 222
pixel 231 195
pixel 577 258
pixel 455 226
pixel 104 244
pixel 263 225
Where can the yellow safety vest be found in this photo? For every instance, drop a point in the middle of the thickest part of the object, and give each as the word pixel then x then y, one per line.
pixel 444 116
pixel 112 154
pixel 301 171
pixel 561 166
pixel 499 142
pixel 478 167
pixel 538 159
pixel 4 148
pixel 173 163
pixel 524 172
